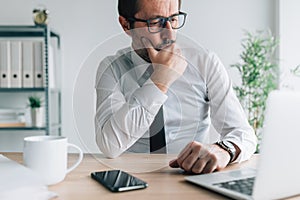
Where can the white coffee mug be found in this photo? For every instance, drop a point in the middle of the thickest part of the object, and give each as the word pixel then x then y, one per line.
pixel 47 156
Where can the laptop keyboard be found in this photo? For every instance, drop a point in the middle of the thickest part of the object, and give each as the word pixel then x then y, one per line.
pixel 244 186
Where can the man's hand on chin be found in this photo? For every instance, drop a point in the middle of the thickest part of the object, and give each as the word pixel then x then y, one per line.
pixel 201 158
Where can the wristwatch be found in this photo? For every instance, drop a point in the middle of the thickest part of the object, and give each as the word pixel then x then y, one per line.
pixel 229 147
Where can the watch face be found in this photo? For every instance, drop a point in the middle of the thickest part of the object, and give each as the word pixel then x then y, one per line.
pixel 227 144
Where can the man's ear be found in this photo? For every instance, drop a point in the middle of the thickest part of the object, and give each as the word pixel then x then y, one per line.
pixel 125 25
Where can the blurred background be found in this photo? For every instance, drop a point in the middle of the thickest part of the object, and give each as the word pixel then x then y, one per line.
pixel 217 25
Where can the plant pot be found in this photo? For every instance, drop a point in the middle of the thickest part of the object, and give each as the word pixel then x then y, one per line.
pixel 37 117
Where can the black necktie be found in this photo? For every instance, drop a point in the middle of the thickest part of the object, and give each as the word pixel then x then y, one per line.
pixel 157 134
pixel 156 130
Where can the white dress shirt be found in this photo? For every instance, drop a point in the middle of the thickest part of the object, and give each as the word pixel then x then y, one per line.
pixel 202 96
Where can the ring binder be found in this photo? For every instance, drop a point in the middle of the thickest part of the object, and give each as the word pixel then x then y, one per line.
pixel 4 64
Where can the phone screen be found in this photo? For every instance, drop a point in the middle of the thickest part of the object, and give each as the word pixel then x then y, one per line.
pixel 118 181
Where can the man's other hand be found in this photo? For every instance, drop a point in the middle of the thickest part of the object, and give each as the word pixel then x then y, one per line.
pixel 201 158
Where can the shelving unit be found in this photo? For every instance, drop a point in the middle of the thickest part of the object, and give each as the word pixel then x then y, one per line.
pixel 45 34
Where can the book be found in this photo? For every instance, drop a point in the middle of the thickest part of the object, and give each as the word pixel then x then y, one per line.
pixel 12 117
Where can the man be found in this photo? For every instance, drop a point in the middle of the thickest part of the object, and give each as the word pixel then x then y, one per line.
pixel 187 87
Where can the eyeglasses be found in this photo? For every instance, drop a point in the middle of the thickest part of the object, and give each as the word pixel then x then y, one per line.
pixel 157 24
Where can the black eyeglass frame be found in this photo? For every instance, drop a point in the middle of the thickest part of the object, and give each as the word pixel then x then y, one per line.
pixel 162 21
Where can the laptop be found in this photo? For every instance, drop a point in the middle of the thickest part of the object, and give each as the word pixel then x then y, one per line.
pixel 277 174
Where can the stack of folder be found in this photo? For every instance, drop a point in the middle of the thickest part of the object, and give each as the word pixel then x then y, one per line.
pixel 12 118
pixel 21 63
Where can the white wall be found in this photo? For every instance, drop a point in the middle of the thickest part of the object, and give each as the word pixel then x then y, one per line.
pixel 220 25
pixel 84 24
pixel 289 49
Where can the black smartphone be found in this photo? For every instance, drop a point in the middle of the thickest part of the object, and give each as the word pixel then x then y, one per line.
pixel 118 181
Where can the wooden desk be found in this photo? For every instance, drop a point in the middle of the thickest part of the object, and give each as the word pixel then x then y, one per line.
pixel 164 182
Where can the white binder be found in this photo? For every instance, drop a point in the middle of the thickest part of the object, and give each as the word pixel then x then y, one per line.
pixel 27 63
pixel 16 64
pixel 4 64
pixel 38 64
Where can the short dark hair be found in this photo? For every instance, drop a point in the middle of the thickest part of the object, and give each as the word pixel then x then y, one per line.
pixel 128 8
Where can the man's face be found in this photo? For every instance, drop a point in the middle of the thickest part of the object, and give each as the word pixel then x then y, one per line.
pixel 152 9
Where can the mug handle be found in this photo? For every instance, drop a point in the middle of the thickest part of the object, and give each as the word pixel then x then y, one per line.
pixel 79 159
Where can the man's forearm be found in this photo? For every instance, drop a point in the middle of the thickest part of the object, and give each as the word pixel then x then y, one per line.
pixel 119 124
pixel 122 130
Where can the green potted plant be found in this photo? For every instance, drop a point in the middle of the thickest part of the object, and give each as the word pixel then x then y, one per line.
pixel 259 75
pixel 37 111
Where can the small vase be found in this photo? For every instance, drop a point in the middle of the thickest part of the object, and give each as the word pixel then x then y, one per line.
pixel 37 117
